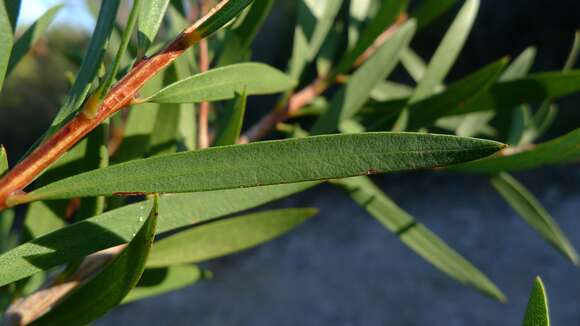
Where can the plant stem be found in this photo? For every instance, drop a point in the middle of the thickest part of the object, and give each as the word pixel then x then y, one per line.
pixel 120 95
pixel 203 130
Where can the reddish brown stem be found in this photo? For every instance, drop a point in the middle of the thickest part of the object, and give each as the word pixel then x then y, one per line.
pixel 119 96
pixel 204 107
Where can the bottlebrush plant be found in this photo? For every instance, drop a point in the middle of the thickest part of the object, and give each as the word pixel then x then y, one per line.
pixel 150 141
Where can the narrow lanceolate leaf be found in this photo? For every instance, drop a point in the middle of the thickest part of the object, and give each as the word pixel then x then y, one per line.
pixel 6 40
pixel 231 131
pixel 537 311
pixel 223 83
pixel 31 36
pixel 150 17
pixel 417 237
pixel 158 281
pixel 349 99
pixel 228 10
pixel 269 163
pixel 556 151
pixel 315 19
pixel 119 226
pixel 3 160
pixel 43 217
pixel 384 17
pixel 533 88
pixel 528 207
pixel 91 62
pixel 108 288
pixel 226 237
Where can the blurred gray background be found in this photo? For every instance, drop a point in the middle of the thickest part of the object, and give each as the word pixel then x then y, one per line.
pixel 342 267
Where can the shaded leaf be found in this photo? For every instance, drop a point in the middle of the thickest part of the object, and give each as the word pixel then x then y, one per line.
pixel 3 160
pixel 417 237
pixel 537 311
pixel 386 90
pixel 350 98
pixel 150 18
pixel 269 163
pixel 43 217
pixel 31 36
pixel 556 151
pixel 120 225
pixel 528 207
pixel 108 288
pixel 429 10
pixel 225 237
pixel 223 83
pixel 158 281
pixel 230 132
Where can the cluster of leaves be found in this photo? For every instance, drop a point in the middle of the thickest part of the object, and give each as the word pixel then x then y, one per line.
pixel 365 124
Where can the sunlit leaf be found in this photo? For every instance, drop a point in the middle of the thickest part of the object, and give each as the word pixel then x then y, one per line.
pixel 350 98
pixel 223 83
pixel 230 132
pixel 269 163
pixel 6 39
pixel 150 16
pixel 530 209
pixel 221 238
pixel 537 311
pixel 416 236
pixel 120 225
pixel 3 160
pixel 108 288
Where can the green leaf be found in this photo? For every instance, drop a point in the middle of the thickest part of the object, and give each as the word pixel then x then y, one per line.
pixel 6 39
pixel 416 236
pixel 269 163
pixel 225 237
pixel 223 83
pixel 107 289
pixel 31 36
pixel 230 133
pixel 521 65
pixel 387 90
pixel 150 17
pixel 556 151
pixel 120 225
pixel 315 19
pixel 349 99
pixel 158 281
pixel 238 41
pixel 384 17
pixel 429 10
pixel 443 59
pixel 3 160
pixel 414 64
pixel 528 207
pixel 530 89
pixel 537 311
pixel 43 217
pixel 13 11
pixel 228 10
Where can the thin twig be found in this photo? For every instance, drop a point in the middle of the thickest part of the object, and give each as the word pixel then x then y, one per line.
pixel 204 107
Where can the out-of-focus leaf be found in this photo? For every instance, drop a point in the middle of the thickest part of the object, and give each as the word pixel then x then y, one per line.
pixel 31 36
pixel 315 19
pixel 225 237
pixel 358 14
pixel 91 63
pixel 414 64
pixel 269 163
pixel 416 236
pixel 156 281
pixel 352 97
pixel 531 89
pixel 223 83
pixel 384 17
pixel 537 311
pixel 329 50
pixel 13 11
pixel 443 59
pixel 556 151
pixel 120 225
pixel 238 40
pixel 386 90
pixel 521 66
pixel 108 288
pixel 6 39
pixel 230 133
pixel 7 238
pixel 150 17
pixel 530 209
pixel 3 160
pixel 429 10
